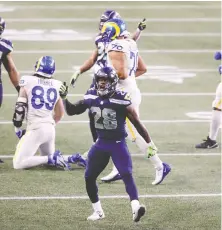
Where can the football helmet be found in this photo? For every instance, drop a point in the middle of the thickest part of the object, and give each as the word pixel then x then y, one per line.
pixel 108 86
pixel 45 66
pixel 2 25
pixel 107 15
pixel 113 28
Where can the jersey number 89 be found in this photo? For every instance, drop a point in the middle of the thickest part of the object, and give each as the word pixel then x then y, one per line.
pixel 41 97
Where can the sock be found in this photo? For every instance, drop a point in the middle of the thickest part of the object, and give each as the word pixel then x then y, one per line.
pixel 215 124
pixel 135 205
pixel 97 206
pixel 115 169
pixel 130 186
pixel 92 189
pixel 156 162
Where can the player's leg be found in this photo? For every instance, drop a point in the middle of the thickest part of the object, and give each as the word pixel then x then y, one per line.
pixel 123 162
pixel 216 121
pixel 97 161
pixel 47 148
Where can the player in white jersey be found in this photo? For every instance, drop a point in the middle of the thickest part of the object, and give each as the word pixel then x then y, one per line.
pixel 216 119
pixel 122 55
pixel 40 103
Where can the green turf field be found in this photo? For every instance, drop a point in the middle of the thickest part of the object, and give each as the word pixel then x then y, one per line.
pixel 178 47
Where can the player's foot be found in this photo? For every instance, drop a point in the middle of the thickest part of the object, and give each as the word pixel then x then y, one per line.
pixel 77 159
pixel 113 176
pixel 137 214
pixel 59 160
pixel 98 215
pixel 207 144
pixel 161 174
pixel 1 161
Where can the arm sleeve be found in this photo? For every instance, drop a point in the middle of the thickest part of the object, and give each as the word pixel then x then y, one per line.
pixel 76 108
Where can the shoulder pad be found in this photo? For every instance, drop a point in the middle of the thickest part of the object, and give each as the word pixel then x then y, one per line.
pixel 118 45
pixel 98 39
pixel 121 98
pixel 6 45
pixel 24 80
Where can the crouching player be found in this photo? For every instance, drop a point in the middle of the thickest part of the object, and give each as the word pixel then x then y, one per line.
pixel 110 108
pixel 40 103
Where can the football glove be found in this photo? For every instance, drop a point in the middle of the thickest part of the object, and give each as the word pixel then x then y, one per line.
pixel 151 149
pixel 63 91
pixel 74 78
pixel 20 132
pixel 220 69
pixel 217 56
pixel 142 25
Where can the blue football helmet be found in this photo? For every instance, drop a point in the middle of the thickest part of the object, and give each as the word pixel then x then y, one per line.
pixel 110 77
pixel 107 15
pixel 45 66
pixel 2 25
pixel 113 29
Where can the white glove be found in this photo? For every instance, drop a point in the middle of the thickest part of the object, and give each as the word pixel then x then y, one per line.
pixel 74 78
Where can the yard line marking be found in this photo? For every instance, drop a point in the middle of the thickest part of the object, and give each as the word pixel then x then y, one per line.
pixel 28 20
pixel 181 35
pixel 143 121
pixel 143 94
pixel 143 155
pixel 122 7
pixel 109 196
pixel 172 51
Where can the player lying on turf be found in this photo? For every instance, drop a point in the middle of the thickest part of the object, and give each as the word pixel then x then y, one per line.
pixel 110 108
pixel 6 49
pixel 216 119
pixel 40 102
pixel 123 56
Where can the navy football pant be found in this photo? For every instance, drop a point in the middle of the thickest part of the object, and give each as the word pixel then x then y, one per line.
pixel 98 158
pixel 1 93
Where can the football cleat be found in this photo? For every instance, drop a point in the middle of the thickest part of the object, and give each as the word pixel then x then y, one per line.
pixel 98 215
pixel 207 144
pixel 1 161
pixel 77 159
pixel 113 176
pixel 59 161
pixel 161 174
pixel 137 214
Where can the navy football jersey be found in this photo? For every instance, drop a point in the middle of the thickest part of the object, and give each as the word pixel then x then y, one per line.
pixel 109 113
pixel 5 48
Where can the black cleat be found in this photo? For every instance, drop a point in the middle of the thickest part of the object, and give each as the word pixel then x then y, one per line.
pixel 207 144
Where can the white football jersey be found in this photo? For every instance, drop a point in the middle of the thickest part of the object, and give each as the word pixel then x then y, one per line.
pixel 129 47
pixel 43 95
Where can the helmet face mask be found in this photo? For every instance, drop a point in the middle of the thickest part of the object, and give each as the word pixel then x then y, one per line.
pixel 2 25
pixel 105 81
pixel 45 66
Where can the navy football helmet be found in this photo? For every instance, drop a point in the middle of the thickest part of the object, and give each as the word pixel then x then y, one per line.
pixel 45 66
pixel 105 81
pixel 2 25
pixel 107 15
pixel 114 28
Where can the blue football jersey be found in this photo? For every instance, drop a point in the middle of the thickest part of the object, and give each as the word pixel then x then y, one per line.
pixel 109 113
pixel 5 48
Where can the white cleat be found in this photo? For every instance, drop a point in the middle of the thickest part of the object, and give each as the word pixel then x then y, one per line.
pixel 98 215
pixel 161 174
pixel 137 214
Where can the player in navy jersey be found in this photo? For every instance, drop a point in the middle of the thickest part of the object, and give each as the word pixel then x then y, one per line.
pixel 110 108
pixel 6 48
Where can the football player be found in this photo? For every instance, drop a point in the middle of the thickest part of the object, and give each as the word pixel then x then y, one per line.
pixel 216 119
pixel 40 103
pixel 110 108
pixel 98 57
pixel 123 56
pixel 6 49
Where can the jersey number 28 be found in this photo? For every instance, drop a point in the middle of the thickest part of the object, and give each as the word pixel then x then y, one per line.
pixel 41 97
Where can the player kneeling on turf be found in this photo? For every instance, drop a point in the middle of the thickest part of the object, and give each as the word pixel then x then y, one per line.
pixel 40 103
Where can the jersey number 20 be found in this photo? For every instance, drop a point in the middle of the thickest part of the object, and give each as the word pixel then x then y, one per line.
pixel 41 97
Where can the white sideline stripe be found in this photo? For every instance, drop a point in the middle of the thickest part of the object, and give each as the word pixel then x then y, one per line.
pixel 172 51
pixel 28 20
pixel 143 121
pixel 122 7
pixel 143 94
pixel 142 155
pixel 108 197
pixel 90 51
pixel 181 35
